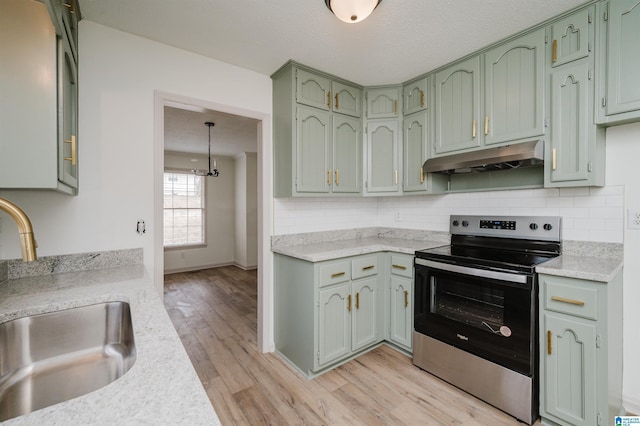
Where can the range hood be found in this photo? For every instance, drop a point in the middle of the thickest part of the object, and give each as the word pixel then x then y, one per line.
pixel 514 156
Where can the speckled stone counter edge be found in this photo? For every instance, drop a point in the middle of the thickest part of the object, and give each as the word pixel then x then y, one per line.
pixel 71 263
pixel 4 273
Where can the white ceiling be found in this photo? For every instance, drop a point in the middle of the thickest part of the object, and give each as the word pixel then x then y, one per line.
pixel 400 40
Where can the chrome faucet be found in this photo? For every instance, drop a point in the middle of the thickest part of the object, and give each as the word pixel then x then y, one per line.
pixel 27 240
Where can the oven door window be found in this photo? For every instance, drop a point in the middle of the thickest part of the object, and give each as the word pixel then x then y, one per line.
pixel 489 318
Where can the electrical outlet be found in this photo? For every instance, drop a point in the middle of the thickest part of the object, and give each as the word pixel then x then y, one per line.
pixel 398 216
pixel 633 218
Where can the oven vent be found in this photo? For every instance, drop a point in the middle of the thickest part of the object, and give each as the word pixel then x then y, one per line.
pixel 524 154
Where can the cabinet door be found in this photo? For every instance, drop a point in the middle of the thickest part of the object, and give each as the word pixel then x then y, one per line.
pixel 347 99
pixel 313 90
pixel 458 106
pixel 365 313
pixel 347 154
pixel 569 370
pixel 383 103
pixel 571 37
pixel 313 150
pixel 67 115
pixel 382 156
pixel 334 331
pixel 401 326
pixel 570 123
pixel 414 152
pixel 623 64
pixel 415 96
pixel 514 90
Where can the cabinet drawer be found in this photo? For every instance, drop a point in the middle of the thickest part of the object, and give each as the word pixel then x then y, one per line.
pixel 335 272
pixel 364 266
pixel 571 299
pixel 402 265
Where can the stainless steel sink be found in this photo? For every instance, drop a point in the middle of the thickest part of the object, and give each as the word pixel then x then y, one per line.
pixel 49 358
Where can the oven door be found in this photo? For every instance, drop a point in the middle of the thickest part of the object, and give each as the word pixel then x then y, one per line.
pixel 490 314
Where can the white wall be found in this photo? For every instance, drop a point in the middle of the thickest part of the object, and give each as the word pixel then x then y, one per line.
pixel 119 74
pixel 246 235
pixel 220 217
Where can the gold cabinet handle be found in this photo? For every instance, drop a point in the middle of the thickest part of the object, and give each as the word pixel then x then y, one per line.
pixel 366 268
pixel 349 303
pixel 329 99
pixel 73 158
pixel 553 159
pixel 549 351
pixel 554 54
pixel 473 130
pixel 337 274
pixel 337 177
pixel 357 300
pixel 395 106
pixel 395 178
pixel 565 300
pixel 406 298
pixel 421 175
pixel 421 98
pixel 337 102
pixel 486 124
pixel 329 177
pixel 399 266
pixel 70 5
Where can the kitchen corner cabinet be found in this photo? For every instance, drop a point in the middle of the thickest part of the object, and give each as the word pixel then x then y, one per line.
pixel 327 312
pixel 415 95
pixel 619 60
pixel 383 102
pixel 580 350
pixel 44 37
pixel 383 172
pixel 401 300
pixel 317 134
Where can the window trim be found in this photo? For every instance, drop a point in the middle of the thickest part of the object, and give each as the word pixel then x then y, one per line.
pixel 188 246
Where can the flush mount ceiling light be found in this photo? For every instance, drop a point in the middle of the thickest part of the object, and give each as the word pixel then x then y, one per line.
pixel 352 11
pixel 212 172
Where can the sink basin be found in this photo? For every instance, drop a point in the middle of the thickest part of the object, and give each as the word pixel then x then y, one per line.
pixel 49 358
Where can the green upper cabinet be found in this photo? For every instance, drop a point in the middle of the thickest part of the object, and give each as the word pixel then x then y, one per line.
pixel 415 152
pixel 383 149
pixel 383 102
pixel 514 90
pixel 313 90
pixel 415 95
pixel 572 37
pixel 67 115
pixel 313 149
pixel 622 99
pixel 347 99
pixel 347 155
pixel 457 106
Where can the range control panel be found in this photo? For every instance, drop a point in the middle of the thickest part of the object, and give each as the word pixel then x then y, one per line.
pixel 546 228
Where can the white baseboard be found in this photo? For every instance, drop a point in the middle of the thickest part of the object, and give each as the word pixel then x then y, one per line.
pixel 246 268
pixel 197 268
pixel 631 405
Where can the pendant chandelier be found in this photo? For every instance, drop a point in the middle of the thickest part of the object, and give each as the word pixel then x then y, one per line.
pixel 212 172
pixel 352 11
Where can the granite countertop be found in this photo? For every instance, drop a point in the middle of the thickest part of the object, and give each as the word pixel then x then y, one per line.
pixel 162 387
pixel 581 267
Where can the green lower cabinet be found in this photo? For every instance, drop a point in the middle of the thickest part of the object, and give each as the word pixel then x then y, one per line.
pixel 401 326
pixel 334 322
pixel 364 312
pixel 580 350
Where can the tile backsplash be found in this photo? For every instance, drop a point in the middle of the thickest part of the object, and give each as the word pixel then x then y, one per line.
pixel 589 214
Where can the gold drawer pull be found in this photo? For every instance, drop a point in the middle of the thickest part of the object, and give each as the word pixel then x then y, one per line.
pixel 549 342
pixel 366 268
pixel 565 300
pixel 349 303
pixel 337 274
pixel 422 98
pixel 73 159
pixel 399 266
pixel 357 300
pixel 406 298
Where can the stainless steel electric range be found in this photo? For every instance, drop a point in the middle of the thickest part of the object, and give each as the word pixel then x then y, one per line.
pixel 476 308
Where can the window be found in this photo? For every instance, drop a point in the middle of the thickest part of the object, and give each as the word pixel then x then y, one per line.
pixel 184 210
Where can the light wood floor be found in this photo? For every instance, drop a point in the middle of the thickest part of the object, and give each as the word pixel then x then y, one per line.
pixel 214 311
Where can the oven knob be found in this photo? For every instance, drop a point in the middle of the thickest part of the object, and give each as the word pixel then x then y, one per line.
pixel 547 227
pixel 456 223
pixel 465 223
pixel 533 226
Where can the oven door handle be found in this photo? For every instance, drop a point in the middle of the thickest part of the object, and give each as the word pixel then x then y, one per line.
pixel 502 276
